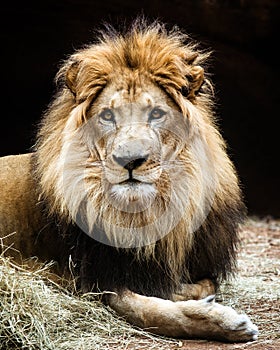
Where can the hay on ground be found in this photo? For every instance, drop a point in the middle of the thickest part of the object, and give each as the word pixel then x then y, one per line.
pixel 36 314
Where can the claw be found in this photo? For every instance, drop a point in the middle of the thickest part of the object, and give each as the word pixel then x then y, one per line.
pixel 210 299
pixel 255 334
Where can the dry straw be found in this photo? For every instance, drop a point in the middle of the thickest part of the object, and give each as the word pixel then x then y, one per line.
pixel 35 313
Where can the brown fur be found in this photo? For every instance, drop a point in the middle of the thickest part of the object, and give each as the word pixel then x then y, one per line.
pixel 165 66
pixel 165 60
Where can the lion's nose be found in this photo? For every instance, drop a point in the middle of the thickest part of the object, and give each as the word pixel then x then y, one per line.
pixel 130 163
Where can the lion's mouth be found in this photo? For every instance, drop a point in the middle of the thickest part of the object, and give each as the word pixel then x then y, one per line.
pixel 132 182
pixel 124 193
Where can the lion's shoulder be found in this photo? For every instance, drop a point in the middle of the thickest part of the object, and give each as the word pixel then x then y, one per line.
pixel 15 178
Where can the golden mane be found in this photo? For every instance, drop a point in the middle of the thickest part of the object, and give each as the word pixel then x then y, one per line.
pixel 172 62
pixel 150 50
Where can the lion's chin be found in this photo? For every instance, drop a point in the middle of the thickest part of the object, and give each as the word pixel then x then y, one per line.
pixel 132 196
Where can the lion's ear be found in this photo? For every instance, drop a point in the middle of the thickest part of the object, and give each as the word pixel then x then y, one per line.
pixel 195 79
pixel 71 76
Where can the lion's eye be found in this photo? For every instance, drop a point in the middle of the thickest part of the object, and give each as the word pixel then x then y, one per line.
pixel 107 115
pixel 156 114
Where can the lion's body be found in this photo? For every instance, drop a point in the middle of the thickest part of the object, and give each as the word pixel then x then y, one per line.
pixel 130 177
pixel 24 230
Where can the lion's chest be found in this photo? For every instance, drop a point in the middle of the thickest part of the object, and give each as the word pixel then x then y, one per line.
pixel 102 267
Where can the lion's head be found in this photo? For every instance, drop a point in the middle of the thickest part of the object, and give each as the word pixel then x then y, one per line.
pixel 130 153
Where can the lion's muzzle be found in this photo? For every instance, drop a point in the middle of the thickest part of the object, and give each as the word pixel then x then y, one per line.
pixel 134 156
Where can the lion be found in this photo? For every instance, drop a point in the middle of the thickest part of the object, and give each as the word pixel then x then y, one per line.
pixel 129 179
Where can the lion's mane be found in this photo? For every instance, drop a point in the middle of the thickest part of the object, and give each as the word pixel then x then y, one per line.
pixel 172 62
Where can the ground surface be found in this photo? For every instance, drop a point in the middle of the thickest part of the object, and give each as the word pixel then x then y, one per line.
pixel 36 314
pixel 256 289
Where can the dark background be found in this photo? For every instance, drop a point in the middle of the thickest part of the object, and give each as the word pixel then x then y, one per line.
pixel 244 36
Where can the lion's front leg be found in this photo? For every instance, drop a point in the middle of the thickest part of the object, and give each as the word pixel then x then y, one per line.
pixel 189 319
pixel 198 290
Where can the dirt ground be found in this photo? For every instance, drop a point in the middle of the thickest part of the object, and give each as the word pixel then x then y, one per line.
pixel 256 288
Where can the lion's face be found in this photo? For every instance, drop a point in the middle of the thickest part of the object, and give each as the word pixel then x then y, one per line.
pixel 133 174
pixel 137 136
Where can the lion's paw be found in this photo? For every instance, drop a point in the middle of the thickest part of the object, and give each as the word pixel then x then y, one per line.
pixel 238 326
pixel 241 328
pixel 220 322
